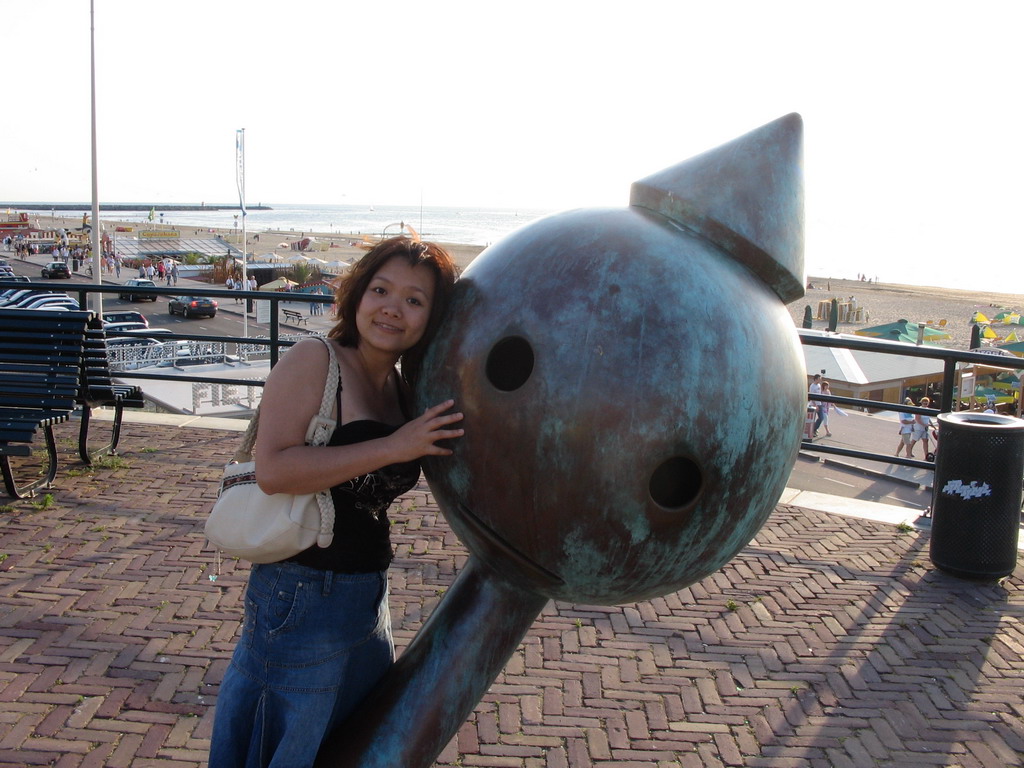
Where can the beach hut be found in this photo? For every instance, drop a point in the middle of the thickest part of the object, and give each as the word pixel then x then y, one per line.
pixel 902 330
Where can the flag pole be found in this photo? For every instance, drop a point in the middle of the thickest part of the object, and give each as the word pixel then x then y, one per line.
pixel 240 151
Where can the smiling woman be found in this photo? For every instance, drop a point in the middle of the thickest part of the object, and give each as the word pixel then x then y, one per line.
pixel 285 691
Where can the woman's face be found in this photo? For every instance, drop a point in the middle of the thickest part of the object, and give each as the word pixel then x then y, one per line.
pixel 395 308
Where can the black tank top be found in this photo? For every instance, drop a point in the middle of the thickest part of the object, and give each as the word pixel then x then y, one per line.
pixel 362 531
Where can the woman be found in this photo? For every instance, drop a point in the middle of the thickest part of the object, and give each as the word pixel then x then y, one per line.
pixel 907 421
pixel 317 632
pixel 824 408
pixel 922 425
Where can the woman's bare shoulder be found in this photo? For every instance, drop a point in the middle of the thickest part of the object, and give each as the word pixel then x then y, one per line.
pixel 305 360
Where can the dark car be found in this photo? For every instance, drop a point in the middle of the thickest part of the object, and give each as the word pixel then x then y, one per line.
pixel 192 306
pixel 138 282
pixel 56 269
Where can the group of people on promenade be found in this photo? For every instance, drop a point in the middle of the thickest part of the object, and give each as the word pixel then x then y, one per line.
pixel 160 270
pixel 916 428
pixel 238 284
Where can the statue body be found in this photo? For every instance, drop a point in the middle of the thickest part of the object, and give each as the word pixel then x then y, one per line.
pixel 634 393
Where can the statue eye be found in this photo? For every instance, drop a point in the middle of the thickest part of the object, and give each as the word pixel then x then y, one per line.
pixel 510 363
pixel 676 483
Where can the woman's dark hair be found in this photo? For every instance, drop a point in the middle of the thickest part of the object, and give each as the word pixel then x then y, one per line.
pixel 354 283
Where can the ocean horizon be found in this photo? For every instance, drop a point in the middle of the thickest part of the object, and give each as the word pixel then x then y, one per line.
pixel 485 225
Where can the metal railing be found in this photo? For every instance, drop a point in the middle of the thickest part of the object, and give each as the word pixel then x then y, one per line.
pixel 950 359
pixel 271 346
pixel 173 349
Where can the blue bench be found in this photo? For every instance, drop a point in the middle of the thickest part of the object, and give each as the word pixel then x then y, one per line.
pixel 40 384
pixel 98 390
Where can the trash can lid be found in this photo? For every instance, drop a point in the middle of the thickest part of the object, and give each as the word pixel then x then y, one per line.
pixel 985 421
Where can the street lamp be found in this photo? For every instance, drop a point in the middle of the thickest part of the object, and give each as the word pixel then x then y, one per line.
pixel 97 257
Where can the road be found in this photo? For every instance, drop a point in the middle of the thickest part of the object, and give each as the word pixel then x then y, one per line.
pixel 811 475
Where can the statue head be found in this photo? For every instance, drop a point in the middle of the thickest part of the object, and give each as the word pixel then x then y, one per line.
pixel 632 383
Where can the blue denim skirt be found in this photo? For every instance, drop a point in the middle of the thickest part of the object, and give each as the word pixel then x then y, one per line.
pixel 313 644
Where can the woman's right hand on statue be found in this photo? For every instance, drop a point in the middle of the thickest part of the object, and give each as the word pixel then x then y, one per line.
pixel 419 437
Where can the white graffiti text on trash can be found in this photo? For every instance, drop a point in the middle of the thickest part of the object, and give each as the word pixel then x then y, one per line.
pixel 973 490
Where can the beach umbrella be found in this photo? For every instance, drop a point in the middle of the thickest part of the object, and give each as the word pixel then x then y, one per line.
pixel 1017 348
pixel 903 330
pixel 978 317
pixel 988 333
pixel 833 316
pixel 808 317
pixel 1007 318
pixel 1012 337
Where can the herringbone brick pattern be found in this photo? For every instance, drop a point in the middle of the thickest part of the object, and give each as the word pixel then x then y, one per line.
pixel 827 642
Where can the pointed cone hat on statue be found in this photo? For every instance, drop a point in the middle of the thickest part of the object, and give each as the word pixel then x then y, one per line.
pixel 745 196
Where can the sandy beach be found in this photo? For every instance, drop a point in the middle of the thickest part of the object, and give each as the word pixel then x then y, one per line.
pixel 887 303
pixel 882 302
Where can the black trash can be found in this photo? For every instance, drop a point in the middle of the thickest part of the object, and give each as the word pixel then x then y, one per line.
pixel 976 494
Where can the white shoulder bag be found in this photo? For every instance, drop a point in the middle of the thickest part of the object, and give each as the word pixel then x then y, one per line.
pixel 247 523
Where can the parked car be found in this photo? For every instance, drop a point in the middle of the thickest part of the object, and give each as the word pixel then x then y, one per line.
pixel 56 269
pixel 192 306
pixel 14 295
pixel 138 282
pixel 18 278
pixel 50 302
pixel 37 299
pixel 124 316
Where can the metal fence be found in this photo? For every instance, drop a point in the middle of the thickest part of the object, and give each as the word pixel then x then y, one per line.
pixel 951 359
pixel 179 350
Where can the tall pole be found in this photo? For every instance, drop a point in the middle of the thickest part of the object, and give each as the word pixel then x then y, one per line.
pixel 97 254
pixel 240 174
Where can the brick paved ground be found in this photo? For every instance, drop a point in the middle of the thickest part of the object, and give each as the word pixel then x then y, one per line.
pixel 827 642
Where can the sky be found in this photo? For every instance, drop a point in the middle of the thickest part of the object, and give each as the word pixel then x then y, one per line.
pixel 913 150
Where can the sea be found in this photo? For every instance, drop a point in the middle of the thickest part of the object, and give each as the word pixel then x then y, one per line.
pixel 469 226
pixel 483 226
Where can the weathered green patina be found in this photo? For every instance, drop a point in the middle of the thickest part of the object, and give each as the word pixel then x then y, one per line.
pixel 633 391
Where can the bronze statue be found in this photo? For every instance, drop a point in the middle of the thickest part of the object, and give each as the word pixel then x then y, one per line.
pixel 633 390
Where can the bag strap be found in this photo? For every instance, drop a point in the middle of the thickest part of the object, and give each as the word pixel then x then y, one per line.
pixel 319 431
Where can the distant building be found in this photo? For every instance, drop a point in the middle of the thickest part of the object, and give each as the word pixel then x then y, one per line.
pixel 874 375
